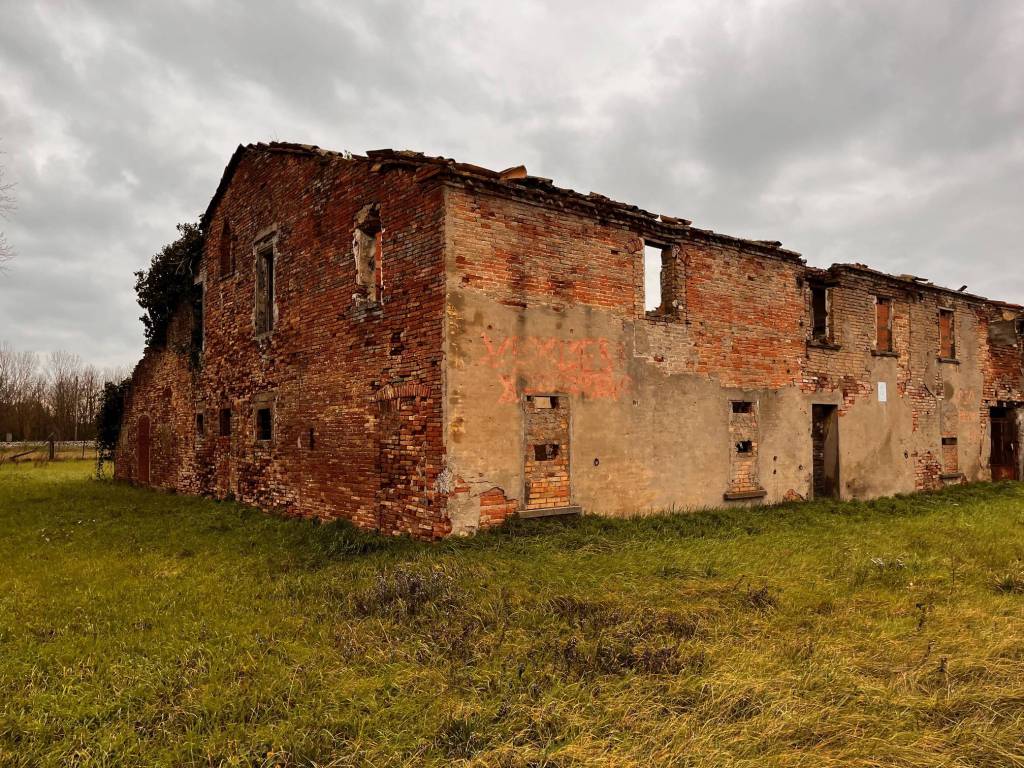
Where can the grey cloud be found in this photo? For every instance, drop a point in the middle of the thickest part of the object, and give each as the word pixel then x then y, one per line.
pixel 875 132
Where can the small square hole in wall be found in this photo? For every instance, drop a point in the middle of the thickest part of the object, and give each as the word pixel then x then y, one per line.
pixel 264 424
pixel 545 451
pixel 544 403
pixel 742 406
pixel 949 441
pixel 745 446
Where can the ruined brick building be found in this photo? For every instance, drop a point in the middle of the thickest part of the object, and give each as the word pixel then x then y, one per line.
pixel 427 347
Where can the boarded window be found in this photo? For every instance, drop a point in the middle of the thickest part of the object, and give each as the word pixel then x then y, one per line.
pixel 264 424
pixel 659 285
pixel 225 422
pixel 950 457
pixel 227 251
pixel 821 310
pixel 883 324
pixel 947 331
pixel 265 289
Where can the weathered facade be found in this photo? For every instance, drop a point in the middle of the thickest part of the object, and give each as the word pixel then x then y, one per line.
pixel 427 347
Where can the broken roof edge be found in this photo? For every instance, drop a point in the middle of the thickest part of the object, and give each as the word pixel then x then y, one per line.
pixel 516 182
pixel 513 182
pixel 912 282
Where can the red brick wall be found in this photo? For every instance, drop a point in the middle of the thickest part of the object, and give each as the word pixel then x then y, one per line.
pixel 366 379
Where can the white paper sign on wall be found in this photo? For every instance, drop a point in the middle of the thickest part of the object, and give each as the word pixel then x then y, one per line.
pixel 883 393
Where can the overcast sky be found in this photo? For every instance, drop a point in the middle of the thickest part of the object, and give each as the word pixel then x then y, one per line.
pixel 889 133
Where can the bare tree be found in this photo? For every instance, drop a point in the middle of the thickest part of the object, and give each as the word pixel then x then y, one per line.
pixel 23 390
pixel 6 206
pixel 63 392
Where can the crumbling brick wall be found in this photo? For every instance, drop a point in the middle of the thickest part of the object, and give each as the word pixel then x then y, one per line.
pixel 376 327
pixel 331 353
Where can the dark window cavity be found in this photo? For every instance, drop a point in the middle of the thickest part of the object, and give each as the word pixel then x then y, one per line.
pixel 200 426
pixel 312 438
pixel 264 424
pixel 742 406
pixel 198 331
pixel 225 422
pixel 545 451
pixel 744 446
pixel 821 311
pixel 227 251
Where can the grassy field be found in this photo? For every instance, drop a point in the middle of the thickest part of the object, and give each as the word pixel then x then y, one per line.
pixel 139 628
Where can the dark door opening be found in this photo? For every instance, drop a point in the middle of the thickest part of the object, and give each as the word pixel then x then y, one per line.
pixel 1005 456
pixel 825 442
pixel 142 450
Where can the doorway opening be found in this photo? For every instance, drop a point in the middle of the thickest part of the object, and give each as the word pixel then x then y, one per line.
pixel 825 441
pixel 1005 456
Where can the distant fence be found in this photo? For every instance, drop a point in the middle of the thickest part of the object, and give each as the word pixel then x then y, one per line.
pixel 46 450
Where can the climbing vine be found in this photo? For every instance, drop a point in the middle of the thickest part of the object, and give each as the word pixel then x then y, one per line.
pixel 168 282
pixel 108 421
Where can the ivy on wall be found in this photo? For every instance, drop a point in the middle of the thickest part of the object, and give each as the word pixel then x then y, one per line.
pixel 168 282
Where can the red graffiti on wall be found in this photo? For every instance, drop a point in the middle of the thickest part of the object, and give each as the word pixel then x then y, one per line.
pixel 592 368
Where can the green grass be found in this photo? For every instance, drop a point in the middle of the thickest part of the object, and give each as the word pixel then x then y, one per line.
pixel 139 628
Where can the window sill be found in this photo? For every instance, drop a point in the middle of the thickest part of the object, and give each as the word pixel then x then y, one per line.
pixel 884 353
pixel 951 476
pixel 529 514
pixel 741 495
pixel 822 344
pixel 951 360
pixel 660 318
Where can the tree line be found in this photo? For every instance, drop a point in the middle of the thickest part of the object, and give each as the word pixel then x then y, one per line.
pixel 53 395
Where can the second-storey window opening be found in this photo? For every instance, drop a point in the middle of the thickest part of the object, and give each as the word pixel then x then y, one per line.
pixel 821 310
pixel 883 324
pixel 265 289
pixel 659 297
pixel 264 424
pixel 742 406
pixel 227 251
pixel 200 425
pixel 947 338
pixel 225 422
pixel 198 331
pixel 368 251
